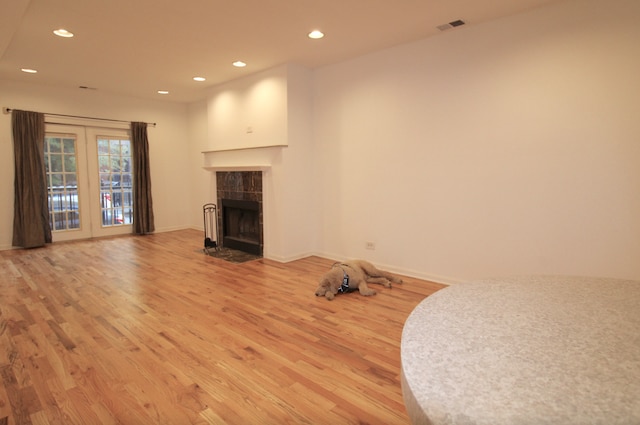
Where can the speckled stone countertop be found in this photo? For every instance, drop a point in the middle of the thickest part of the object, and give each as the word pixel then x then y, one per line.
pixel 527 350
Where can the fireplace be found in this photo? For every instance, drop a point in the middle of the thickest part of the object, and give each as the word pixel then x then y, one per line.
pixel 241 225
pixel 239 195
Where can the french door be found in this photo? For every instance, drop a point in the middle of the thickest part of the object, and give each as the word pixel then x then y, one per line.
pixel 89 178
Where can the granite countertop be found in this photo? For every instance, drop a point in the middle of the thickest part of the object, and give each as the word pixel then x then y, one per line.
pixel 527 350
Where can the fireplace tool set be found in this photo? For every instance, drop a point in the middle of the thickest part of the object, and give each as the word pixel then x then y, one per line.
pixel 209 212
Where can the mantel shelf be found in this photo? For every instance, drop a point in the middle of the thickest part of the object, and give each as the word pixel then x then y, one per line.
pixel 244 148
pixel 261 167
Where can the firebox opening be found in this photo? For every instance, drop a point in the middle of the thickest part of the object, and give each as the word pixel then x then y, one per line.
pixel 241 225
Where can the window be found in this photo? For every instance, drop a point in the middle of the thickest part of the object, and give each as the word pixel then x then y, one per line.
pixel 62 181
pixel 114 167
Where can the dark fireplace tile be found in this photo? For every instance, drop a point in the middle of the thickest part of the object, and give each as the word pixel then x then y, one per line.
pixel 240 181
pixel 253 182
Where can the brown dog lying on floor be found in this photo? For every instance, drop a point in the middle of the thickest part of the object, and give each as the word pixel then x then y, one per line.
pixel 351 275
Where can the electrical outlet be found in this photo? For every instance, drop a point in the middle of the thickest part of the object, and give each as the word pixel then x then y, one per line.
pixel 370 245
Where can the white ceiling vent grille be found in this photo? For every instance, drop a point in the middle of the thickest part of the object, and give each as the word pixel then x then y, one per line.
pixel 452 24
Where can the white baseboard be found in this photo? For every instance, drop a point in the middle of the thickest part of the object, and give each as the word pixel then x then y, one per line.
pixel 173 229
pixel 445 280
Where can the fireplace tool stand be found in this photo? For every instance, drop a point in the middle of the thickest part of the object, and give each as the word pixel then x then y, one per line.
pixel 209 212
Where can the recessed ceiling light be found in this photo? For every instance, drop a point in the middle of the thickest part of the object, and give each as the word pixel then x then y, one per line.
pixel 199 78
pixel 63 33
pixel 29 70
pixel 315 34
pixel 163 92
pixel 239 64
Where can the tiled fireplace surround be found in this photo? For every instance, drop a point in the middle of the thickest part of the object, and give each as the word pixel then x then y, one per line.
pixel 240 186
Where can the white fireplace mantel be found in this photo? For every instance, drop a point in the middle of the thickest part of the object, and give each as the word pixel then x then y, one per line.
pixel 242 159
pixel 260 167
pixel 243 148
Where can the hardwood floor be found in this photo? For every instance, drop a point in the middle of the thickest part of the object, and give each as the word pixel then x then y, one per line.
pixel 149 330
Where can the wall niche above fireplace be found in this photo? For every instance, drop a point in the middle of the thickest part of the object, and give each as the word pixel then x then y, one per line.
pixel 240 219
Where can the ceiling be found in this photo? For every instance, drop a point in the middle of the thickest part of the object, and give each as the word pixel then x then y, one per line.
pixel 137 47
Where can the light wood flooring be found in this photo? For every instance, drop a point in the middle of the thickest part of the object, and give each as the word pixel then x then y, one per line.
pixel 149 330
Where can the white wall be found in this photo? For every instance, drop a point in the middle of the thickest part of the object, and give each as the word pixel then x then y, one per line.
pixel 511 147
pixel 202 182
pixel 249 112
pixel 298 212
pixel 167 142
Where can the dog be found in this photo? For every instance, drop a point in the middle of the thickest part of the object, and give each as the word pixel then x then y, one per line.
pixel 353 275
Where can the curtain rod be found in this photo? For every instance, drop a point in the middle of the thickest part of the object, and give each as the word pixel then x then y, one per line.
pixel 6 110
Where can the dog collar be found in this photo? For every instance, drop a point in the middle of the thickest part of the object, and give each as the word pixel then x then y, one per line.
pixel 344 287
pixel 345 283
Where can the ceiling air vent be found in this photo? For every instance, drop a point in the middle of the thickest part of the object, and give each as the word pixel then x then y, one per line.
pixel 452 24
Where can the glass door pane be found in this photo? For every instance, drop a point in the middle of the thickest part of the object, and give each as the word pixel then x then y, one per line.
pixel 114 162
pixel 64 155
pixel 110 166
pixel 62 181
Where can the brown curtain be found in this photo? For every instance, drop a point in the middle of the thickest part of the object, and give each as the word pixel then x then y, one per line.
pixel 142 202
pixel 31 226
